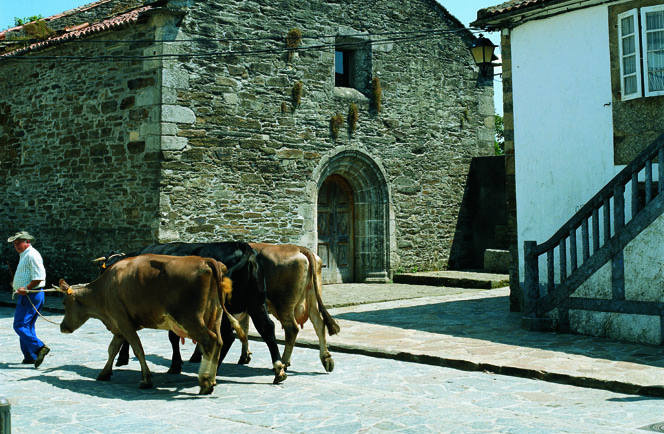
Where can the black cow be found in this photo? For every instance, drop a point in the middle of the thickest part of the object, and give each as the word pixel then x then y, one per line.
pixel 249 295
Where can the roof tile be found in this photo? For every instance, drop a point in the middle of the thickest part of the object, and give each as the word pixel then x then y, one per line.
pixel 84 30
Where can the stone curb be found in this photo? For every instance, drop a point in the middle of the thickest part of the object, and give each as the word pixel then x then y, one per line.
pixel 454 279
pixel 512 371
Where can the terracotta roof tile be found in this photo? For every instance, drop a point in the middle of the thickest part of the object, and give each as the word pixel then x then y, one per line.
pixel 510 7
pixel 77 10
pixel 85 29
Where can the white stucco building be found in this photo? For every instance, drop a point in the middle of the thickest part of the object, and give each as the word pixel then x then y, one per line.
pixel 583 97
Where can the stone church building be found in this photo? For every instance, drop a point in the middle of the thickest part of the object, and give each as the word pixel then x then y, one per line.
pixel 346 126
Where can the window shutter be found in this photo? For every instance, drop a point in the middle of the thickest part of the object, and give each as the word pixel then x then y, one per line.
pixel 652 27
pixel 630 62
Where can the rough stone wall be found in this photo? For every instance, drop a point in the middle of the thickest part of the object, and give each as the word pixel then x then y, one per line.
pixel 240 160
pixel 118 154
pixel 79 151
pixel 637 122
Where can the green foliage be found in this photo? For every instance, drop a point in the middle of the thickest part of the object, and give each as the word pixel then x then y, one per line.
pixel 293 40
pixel 38 30
pixel 336 122
pixel 353 116
pixel 34 29
pixel 499 140
pixel 297 94
pixel 377 94
pixel 22 21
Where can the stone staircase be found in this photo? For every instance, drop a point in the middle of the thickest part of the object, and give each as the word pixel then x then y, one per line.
pixel 594 237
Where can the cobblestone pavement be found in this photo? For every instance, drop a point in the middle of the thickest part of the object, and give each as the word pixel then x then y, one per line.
pixel 362 394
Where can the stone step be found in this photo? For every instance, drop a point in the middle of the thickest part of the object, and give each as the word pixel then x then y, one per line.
pixel 454 279
pixel 497 261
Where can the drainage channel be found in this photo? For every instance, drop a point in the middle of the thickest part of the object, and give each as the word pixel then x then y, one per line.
pixel 655 427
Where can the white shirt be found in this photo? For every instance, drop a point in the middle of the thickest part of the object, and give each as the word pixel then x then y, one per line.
pixel 30 267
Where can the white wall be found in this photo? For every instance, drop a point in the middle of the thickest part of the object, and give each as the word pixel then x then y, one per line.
pixel 562 118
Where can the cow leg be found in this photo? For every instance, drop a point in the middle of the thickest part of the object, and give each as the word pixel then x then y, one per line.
pixel 146 375
pixel 245 355
pixel 265 328
pixel 319 326
pixel 123 358
pixel 196 355
pixel 290 334
pixel 113 349
pixel 207 371
pixel 227 339
pixel 176 359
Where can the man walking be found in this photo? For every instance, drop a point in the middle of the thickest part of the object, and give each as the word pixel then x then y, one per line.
pixel 30 276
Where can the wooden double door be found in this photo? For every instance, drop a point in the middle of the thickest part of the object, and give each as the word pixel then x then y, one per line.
pixel 335 230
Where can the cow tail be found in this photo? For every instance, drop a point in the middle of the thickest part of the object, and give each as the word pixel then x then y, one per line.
pixel 314 271
pixel 226 289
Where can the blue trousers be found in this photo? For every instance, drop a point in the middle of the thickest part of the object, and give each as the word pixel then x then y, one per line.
pixel 25 317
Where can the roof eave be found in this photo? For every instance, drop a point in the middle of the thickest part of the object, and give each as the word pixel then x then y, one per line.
pixel 492 19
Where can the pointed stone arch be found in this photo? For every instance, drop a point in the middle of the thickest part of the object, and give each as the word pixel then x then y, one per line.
pixel 373 222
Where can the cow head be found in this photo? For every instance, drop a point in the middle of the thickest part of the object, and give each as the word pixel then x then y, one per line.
pixel 75 314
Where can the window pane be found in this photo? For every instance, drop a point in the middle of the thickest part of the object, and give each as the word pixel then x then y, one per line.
pixel 629 65
pixel 628 46
pixel 630 85
pixel 339 62
pixel 656 70
pixel 655 40
pixel 627 25
pixel 655 20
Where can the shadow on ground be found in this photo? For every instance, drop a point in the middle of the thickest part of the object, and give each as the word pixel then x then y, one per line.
pixel 489 319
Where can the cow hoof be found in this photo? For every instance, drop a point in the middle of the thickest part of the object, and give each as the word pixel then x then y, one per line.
pixel 122 362
pixel 207 387
pixel 244 360
pixel 280 378
pixel 174 370
pixel 104 376
pixel 328 364
pixel 145 385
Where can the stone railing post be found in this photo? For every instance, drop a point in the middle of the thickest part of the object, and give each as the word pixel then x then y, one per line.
pixel 531 280
pixel 5 416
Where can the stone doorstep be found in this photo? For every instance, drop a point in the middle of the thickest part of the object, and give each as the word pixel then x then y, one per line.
pixel 497 261
pixel 454 279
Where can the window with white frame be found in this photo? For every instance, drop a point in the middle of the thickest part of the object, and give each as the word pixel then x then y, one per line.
pixel 641 48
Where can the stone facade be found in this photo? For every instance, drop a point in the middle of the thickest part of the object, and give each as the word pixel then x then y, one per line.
pixel 637 122
pixel 192 132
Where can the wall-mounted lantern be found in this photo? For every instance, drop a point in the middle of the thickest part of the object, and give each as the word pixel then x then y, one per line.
pixel 482 51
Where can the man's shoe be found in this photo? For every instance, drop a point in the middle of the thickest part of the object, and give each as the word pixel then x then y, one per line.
pixel 27 361
pixel 41 353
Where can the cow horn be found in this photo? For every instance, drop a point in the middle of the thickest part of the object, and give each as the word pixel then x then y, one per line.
pixel 98 260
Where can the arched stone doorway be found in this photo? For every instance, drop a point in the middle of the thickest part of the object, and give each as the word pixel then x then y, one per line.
pixel 354 224
pixel 335 230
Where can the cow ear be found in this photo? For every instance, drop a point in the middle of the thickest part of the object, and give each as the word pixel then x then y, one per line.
pixel 64 287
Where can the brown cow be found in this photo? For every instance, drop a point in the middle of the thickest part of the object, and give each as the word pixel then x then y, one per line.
pixel 182 294
pixel 294 294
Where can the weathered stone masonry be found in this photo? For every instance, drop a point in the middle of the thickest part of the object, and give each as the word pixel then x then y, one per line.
pixel 214 148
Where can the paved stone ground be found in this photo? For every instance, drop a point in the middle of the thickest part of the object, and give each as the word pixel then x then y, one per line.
pixel 363 394
pixel 373 387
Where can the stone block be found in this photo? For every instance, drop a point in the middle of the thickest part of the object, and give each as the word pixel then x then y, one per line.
pixel 497 261
pixel 177 114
